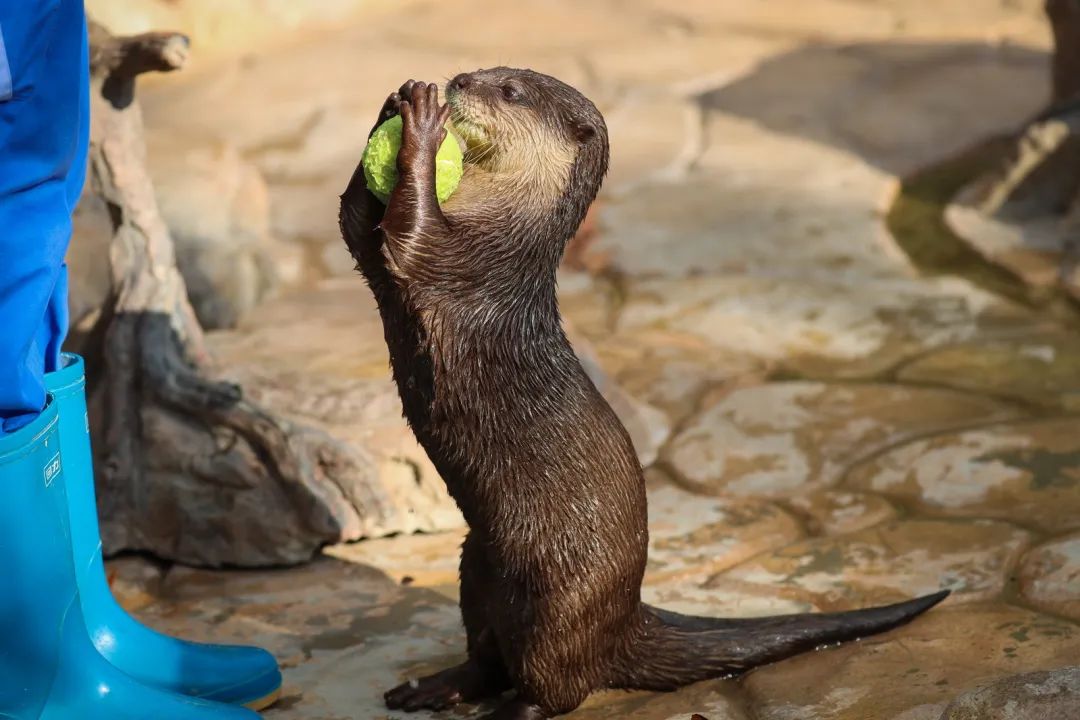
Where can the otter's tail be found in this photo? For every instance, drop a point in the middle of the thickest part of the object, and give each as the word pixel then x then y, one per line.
pixel 671 650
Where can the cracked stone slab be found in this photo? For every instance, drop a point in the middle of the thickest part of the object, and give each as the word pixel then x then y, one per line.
pixel 1027 472
pixel 834 512
pixel 651 136
pixel 318 358
pixel 1050 576
pixel 587 302
pixel 849 324
pixel 421 560
pixel 1042 367
pixel 649 427
pixel 672 370
pixel 343 633
pixel 1029 696
pixel 694 536
pixel 912 673
pixel 783 439
pixel 751 204
pixel 712 700
pixel 887 563
pixel 690 536
pixel 845 95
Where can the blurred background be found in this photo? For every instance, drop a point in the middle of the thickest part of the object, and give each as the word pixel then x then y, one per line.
pixel 831 286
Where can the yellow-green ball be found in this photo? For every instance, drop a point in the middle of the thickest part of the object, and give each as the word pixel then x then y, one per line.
pixel 380 162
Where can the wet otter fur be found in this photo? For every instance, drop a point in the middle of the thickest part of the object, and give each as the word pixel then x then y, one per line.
pixel 543 471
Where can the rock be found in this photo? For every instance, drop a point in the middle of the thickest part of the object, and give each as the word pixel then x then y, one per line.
pixel 652 137
pixel 844 95
pixel 887 563
pixel 1028 472
pixel 217 208
pixel 912 672
pixel 320 356
pixel 318 359
pixel 710 700
pixel 1014 215
pixel 89 274
pixel 784 439
pixel 1030 696
pixel 673 370
pixel 1041 367
pixel 693 536
pixel 1050 576
pixel 690 537
pixel 420 560
pixel 844 326
pixel 834 21
pixel 832 512
pixel 222 28
pixel 135 581
pixel 734 214
pixel 586 302
pixel 296 112
pixel 343 633
pixel 648 427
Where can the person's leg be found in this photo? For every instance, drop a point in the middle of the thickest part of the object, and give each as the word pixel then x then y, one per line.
pixel 51 669
pixel 43 136
pixel 225 673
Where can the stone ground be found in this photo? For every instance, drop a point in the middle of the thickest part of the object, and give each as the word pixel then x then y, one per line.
pixel 826 426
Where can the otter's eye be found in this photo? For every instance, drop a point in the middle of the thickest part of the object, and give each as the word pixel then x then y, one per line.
pixel 512 93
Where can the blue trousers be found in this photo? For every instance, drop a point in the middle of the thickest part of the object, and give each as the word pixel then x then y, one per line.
pixel 44 133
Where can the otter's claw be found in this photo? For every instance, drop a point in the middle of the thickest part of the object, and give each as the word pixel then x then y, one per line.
pixel 392 105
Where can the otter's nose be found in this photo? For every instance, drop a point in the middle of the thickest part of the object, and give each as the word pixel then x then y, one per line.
pixel 461 82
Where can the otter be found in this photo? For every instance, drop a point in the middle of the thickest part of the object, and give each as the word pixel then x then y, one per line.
pixel 544 473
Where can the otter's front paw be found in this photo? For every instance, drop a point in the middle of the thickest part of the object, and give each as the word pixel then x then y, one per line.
pixel 423 127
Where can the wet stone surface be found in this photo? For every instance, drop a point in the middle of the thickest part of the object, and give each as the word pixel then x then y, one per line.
pixel 887 563
pixel 1050 576
pixel 1028 472
pixel 695 536
pixel 914 672
pixel 1031 696
pixel 828 427
pixel 1038 368
pixel 785 439
pixel 836 512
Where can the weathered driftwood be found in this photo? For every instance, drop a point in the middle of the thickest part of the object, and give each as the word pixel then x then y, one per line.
pixel 188 468
pixel 1065 19
pixel 1024 215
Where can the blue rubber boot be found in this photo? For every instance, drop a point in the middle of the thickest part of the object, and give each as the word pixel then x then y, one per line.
pixel 224 673
pixel 50 668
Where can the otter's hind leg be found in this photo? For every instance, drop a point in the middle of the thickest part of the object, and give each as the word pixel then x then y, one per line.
pixel 557 647
pixel 483 674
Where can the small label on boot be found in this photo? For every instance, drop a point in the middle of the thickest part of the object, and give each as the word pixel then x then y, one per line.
pixel 52 469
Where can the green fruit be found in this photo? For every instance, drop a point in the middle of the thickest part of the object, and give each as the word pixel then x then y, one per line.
pixel 380 162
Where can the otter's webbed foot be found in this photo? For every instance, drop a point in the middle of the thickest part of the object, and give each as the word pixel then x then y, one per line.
pixel 463 683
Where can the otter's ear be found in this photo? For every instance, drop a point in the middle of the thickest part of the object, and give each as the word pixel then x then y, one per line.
pixel 582 131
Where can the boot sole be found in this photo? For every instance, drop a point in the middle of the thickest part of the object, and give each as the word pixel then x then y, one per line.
pixel 265 701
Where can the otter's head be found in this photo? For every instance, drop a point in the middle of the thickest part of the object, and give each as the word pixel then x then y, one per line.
pixel 542 136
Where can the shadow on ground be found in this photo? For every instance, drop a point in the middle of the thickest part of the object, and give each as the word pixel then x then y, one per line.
pixel 898 104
